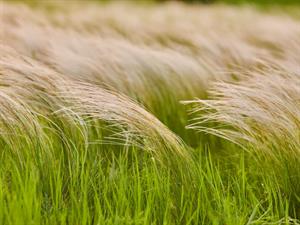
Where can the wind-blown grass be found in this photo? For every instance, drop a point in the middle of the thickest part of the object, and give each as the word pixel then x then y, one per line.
pixel 92 125
pixel 262 114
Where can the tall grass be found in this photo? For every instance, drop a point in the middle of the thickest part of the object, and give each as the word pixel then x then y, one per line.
pixel 260 113
pixel 92 125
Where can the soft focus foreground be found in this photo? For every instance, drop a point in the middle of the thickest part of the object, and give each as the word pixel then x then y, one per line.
pixel 148 114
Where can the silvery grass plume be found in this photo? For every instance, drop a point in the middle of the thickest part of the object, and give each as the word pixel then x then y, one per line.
pixel 261 114
pixel 262 111
pixel 133 70
pixel 176 61
pixel 142 53
pixel 32 89
pixel 136 124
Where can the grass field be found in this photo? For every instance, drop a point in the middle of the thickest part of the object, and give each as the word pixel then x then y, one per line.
pixel 123 113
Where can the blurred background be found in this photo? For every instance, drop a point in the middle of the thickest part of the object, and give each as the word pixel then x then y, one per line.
pixel 256 2
pixel 244 1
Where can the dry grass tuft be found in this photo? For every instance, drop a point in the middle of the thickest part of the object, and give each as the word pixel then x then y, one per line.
pixel 263 109
pixel 30 88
